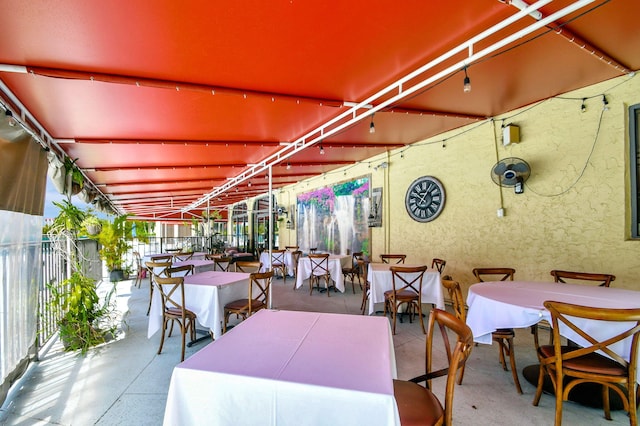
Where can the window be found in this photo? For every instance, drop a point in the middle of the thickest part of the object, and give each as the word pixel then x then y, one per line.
pixel 634 159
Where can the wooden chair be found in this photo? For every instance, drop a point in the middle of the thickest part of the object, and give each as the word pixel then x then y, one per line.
pixel 140 269
pixel 157 266
pixel 363 277
pixel 278 263
pixel 173 309
pixel 319 270
pixel 393 258
pixel 222 263
pixel 407 290
pixel 179 271
pixel 351 272
pixel 417 405
pixel 295 258
pixel 291 248
pixel 594 361
pixel 603 280
pixel 258 298
pixel 248 266
pixel 212 256
pixel 438 264
pixel 183 256
pixel 503 336
pixel 459 307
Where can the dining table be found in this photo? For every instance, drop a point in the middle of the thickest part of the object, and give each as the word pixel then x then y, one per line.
pixel 205 294
pixel 265 259
pixel 381 280
pixel 520 304
pixel 335 265
pixel 290 368
pixel 199 265
pixel 198 255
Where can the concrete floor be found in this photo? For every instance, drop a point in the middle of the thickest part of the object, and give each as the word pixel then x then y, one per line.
pixel 125 382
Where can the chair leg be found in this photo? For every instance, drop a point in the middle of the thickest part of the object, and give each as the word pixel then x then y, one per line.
pixel 514 370
pixel 424 331
pixel 536 398
pixel 164 329
pixel 461 375
pixel 605 402
pixel 150 296
pixel 183 332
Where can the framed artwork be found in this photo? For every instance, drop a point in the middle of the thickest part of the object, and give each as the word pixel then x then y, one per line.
pixel 375 214
pixel 334 218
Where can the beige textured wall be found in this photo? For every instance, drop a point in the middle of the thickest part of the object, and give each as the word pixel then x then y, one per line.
pixel 566 219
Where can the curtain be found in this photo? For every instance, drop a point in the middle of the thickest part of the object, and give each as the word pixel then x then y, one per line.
pixel 23 171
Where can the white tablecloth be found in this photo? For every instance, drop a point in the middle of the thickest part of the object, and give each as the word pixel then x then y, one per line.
pixel 266 262
pixel 199 265
pixel 289 368
pixel 381 280
pixel 206 294
pixel 520 304
pixel 336 263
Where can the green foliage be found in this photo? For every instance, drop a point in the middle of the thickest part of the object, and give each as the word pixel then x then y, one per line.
pixel 77 304
pixel 114 238
pixel 69 218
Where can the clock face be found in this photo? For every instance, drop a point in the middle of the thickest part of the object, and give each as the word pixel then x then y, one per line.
pixel 425 199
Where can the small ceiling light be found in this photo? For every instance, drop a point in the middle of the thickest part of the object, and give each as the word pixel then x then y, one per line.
pixel 321 150
pixel 249 184
pixel 605 103
pixel 372 127
pixel 10 119
pixel 467 81
pixel 288 166
pixel 583 108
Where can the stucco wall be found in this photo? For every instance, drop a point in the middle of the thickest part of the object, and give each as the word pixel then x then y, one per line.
pixel 572 214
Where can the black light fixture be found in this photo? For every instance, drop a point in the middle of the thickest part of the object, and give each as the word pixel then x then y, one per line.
pixel 372 127
pixel 321 150
pixel 10 119
pixel 467 81
pixel 288 165
pixel 605 103
pixel 583 108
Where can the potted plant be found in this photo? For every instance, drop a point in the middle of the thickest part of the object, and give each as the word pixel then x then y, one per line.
pixel 114 238
pixel 75 178
pixel 91 224
pixel 83 319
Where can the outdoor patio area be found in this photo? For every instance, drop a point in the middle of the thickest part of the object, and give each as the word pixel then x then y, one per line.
pixel 125 382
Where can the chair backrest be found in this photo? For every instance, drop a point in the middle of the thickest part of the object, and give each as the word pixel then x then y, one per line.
pixel 295 257
pixel 363 270
pixel 179 271
pixel 291 248
pixel 222 263
pixel 162 258
pixel 157 268
pixel 569 316
pixel 393 258
pixel 248 266
pixel 319 264
pixel 438 264
pixel 277 257
pixel 259 288
pixel 603 280
pixel 457 300
pixel 494 274
pixel 182 256
pixel 172 292
pixel 407 278
pixel 354 259
pixel 457 354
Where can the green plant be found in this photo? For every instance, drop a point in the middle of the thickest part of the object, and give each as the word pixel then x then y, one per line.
pixel 82 322
pixel 69 218
pixel 77 178
pixel 114 238
pixel 91 224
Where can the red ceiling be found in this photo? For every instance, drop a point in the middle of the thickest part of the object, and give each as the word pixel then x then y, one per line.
pixel 162 102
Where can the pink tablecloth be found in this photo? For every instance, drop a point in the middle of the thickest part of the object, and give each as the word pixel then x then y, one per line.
pixel 290 368
pixel 206 294
pixel 381 280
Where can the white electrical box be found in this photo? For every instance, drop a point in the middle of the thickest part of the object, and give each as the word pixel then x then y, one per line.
pixel 510 134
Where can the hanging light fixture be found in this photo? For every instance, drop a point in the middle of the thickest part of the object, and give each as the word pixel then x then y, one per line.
pixel 10 118
pixel 321 150
pixel 583 107
pixel 605 103
pixel 372 127
pixel 288 165
pixel 467 81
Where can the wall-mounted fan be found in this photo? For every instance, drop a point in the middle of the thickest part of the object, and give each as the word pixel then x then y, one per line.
pixel 511 171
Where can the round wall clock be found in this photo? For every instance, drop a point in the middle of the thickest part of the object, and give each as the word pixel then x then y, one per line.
pixel 425 199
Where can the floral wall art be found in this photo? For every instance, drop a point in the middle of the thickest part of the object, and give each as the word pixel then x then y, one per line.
pixel 334 218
